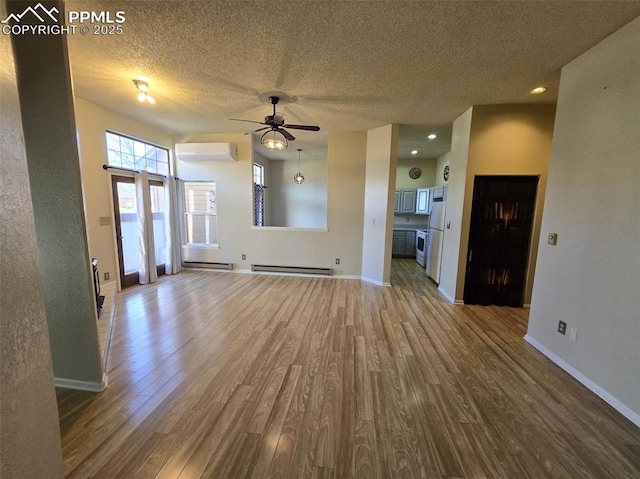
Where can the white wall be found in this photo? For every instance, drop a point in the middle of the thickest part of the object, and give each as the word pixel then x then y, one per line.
pixel 382 144
pixel 590 278
pixel 293 205
pixel 442 161
pixel 460 137
pixel 92 122
pixel 427 169
pixel 273 246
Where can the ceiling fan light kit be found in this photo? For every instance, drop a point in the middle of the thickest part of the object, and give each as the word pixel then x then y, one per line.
pixel 277 138
pixel 143 96
pixel 274 140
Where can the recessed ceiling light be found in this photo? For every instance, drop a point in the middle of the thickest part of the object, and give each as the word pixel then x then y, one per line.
pixel 414 152
pixel 537 90
pixel 432 136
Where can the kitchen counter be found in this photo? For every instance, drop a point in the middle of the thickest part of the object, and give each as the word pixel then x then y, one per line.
pixel 410 227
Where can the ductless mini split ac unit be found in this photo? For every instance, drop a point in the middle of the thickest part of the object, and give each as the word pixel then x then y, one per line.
pixel 207 151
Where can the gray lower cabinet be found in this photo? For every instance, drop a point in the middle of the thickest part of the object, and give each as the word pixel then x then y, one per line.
pixel 404 243
pixel 410 243
pixel 398 248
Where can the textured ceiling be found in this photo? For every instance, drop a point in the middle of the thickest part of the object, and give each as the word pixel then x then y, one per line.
pixel 345 65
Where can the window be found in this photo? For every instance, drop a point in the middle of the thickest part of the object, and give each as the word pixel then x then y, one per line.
pixel 258 194
pixel 125 152
pixel 258 174
pixel 201 213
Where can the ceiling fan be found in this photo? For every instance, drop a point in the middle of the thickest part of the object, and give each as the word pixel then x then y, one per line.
pixel 276 125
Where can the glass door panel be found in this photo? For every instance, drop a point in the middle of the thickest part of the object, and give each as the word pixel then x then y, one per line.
pixel 127 232
pixel 158 214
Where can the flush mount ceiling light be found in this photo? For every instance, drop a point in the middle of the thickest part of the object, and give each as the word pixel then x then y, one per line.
pixel 298 178
pixel 432 136
pixel 537 90
pixel 274 140
pixel 414 152
pixel 143 96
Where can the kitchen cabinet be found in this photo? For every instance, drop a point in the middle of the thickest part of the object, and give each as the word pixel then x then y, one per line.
pixel 410 243
pixel 423 203
pixel 404 243
pixel 404 200
pixel 398 246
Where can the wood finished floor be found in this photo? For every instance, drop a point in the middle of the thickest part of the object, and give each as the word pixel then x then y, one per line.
pixel 219 375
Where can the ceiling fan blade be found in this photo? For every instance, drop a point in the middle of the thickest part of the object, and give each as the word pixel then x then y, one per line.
pixel 256 131
pixel 286 134
pixel 250 121
pixel 303 127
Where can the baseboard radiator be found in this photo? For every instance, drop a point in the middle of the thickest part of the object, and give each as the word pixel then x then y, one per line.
pixel 194 264
pixel 291 269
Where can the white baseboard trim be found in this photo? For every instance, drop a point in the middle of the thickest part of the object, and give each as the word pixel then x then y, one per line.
pixel 526 306
pixel 446 295
pixel 268 273
pixel 295 275
pixel 81 385
pixel 588 383
pixel 374 281
pixel 459 302
pixel 346 276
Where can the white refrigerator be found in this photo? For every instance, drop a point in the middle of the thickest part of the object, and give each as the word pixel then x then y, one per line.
pixel 436 235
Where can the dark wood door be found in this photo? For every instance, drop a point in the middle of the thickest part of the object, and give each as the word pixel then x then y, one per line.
pixel 499 239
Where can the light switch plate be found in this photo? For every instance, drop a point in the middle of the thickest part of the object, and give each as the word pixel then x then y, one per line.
pixel 552 239
pixel 562 327
pixel 573 334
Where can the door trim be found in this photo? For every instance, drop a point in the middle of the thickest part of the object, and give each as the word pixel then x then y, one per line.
pixel 126 280
pixel 130 279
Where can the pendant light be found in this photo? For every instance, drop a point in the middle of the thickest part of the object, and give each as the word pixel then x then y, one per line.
pixel 298 178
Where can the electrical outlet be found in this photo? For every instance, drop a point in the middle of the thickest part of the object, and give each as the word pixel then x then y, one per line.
pixel 562 327
pixel 105 221
pixel 552 239
pixel 244 256
pixel 337 260
pixel 573 334
pixel 106 276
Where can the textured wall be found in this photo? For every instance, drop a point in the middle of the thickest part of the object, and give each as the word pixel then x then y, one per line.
pixel 508 140
pixel 302 206
pixel 92 122
pixel 380 180
pixel 345 194
pixel 590 278
pixel 46 103
pixel 29 436
pixel 458 158
pixel 492 140
pixel 427 168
